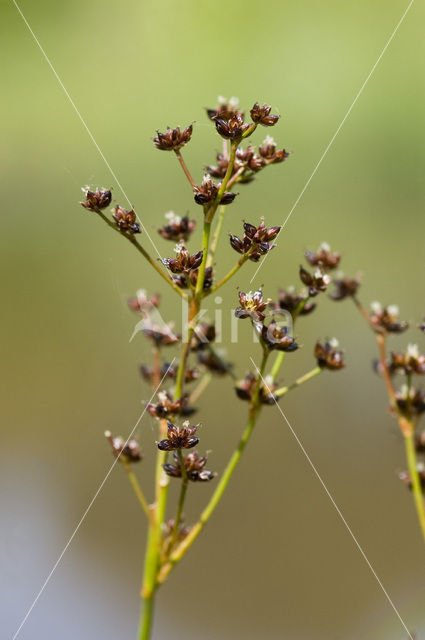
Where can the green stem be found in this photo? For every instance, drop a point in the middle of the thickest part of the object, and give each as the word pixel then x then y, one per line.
pixel 182 498
pixel 146 619
pixel 137 489
pixel 145 254
pixel 255 408
pixel 185 169
pixel 305 378
pixel 229 275
pixel 416 483
pixel 277 364
pixel 216 236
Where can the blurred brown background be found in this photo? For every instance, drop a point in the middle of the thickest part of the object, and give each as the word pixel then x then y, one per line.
pixel 276 561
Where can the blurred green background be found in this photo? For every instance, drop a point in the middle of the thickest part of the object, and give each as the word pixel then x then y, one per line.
pixel 276 561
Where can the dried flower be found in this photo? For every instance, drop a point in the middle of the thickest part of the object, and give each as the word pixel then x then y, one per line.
pixel 328 355
pixel 194 465
pixel 177 228
pixel 252 306
pixel 316 282
pixel 183 262
pixel 96 200
pixel 277 337
pixel 167 371
pixel 126 451
pixel 269 153
pixel 173 139
pixel 344 288
pixel 142 303
pixel 167 407
pixel 410 362
pixel 208 192
pixel 261 115
pixel 233 128
pixel 179 437
pixel 255 241
pixel 245 389
pixel 161 336
pixel 214 362
pixel 323 257
pixel 168 531
pixel 295 303
pixel 125 220
pixel 208 278
pixel 411 402
pixel 202 336
pixel 225 110
pixel 387 318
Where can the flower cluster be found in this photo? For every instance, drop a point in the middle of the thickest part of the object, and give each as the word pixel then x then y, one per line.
pixel 183 262
pixel 167 371
pixel 410 362
pixel 179 437
pixel 173 139
pixel 328 355
pixel 323 258
pixel 207 192
pixel 97 199
pixel 387 319
pixel 255 241
pixel 344 288
pixel 194 467
pixel 125 220
pixel 142 303
pixel 252 306
pixel 316 282
pixel 245 389
pixel 177 228
pixel 166 406
pixel 161 336
pixel 293 302
pixel 126 451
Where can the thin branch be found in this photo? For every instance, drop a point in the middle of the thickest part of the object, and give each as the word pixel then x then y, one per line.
pixel 185 169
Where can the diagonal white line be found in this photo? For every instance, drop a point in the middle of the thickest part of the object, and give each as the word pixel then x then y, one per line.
pixel 83 122
pixel 83 517
pixel 328 493
pixel 341 124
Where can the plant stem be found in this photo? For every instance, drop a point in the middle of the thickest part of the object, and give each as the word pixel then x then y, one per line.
pixel 255 408
pixel 277 364
pixel 305 378
pixel 416 483
pixel 229 275
pixel 146 619
pixel 217 233
pixel 380 339
pixel 203 383
pixel 182 498
pixel 137 489
pixel 185 169
pixel 144 253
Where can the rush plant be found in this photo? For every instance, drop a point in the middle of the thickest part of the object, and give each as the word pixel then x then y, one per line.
pixel 191 275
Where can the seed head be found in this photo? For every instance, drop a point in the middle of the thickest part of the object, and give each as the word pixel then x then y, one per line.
pixel 316 282
pixel 225 110
pixel 323 258
pixel 261 115
pixel 96 200
pixel 344 288
pixel 277 337
pixel 177 228
pixel 126 451
pixel 409 362
pixel 161 336
pixel 252 306
pixel 387 318
pixel 295 303
pixel 270 154
pixel 194 465
pixel 125 220
pixel 207 192
pixel 255 241
pixel 329 356
pixel 245 389
pixel 202 336
pixel 173 139
pixel 166 407
pixel 233 128
pixel 214 362
pixel 411 403
pixel 179 437
pixel 142 303
pixel 183 262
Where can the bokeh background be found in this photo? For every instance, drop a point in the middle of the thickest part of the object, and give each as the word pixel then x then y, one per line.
pixel 276 561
